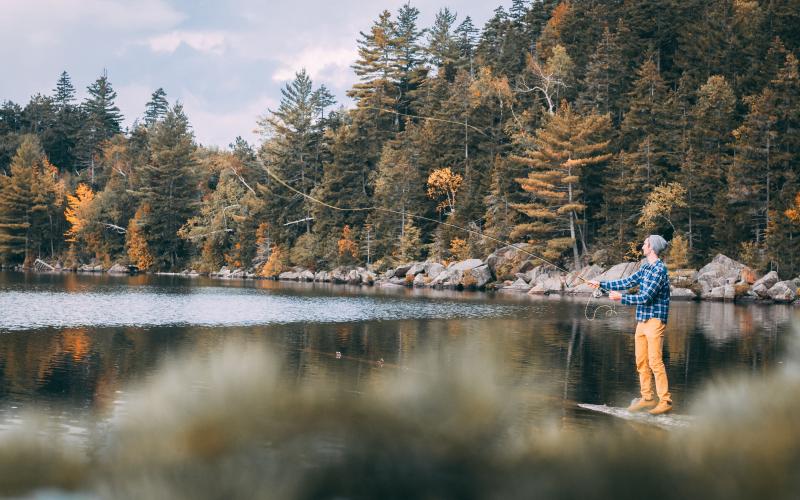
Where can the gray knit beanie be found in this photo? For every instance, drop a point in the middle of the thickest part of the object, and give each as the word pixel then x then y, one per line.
pixel 657 243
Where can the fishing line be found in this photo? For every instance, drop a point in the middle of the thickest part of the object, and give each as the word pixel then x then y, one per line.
pixel 610 310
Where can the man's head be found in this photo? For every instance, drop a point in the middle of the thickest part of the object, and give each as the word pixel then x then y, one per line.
pixel 654 243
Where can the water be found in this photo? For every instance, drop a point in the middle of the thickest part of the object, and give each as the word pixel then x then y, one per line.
pixel 74 344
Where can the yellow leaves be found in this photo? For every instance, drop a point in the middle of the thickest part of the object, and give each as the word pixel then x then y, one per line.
pixel 135 241
pixel 678 255
pixel 347 245
pixel 77 211
pixel 443 182
pixel 660 204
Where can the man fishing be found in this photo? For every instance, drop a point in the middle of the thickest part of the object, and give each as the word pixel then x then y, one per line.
pixel 652 309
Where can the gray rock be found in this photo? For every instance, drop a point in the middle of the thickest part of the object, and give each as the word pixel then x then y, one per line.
pixel 354 277
pixel 783 291
pixel 119 269
pixel 389 284
pixel 768 280
pixel 722 270
pixel 237 273
pixel 389 274
pixel 619 271
pixel 476 277
pixel 465 265
pixel 682 294
pixel 576 281
pixel 433 269
pixel 306 275
pixel 549 285
pixel 418 267
pixel 321 277
pixel 367 277
pixel 289 276
pixel 401 271
pixel 397 281
pixel 505 262
pixel 518 286
pixel 760 290
pixel 419 280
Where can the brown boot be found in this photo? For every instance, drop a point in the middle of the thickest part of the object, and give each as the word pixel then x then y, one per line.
pixel 661 407
pixel 641 404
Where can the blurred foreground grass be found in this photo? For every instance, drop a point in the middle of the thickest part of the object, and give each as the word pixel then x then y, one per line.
pixel 226 425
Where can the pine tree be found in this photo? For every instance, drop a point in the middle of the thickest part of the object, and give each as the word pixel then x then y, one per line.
pixel 704 174
pixel 466 39
pixel 64 93
pixel 605 79
pixel 102 121
pixel 291 153
pixel 156 108
pixel 557 156
pixel 168 187
pixel 442 46
pixel 31 200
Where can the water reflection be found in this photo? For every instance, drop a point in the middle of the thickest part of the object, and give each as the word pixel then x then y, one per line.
pixel 547 343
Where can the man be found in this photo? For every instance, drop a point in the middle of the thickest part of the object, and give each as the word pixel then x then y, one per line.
pixel 652 308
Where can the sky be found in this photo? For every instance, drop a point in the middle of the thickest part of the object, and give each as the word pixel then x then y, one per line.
pixel 224 61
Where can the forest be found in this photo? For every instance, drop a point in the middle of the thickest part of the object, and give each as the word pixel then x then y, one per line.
pixel 574 127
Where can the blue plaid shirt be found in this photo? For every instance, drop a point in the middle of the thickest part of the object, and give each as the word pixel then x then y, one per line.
pixel 652 301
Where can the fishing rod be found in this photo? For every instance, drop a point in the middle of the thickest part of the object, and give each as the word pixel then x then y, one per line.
pixel 611 309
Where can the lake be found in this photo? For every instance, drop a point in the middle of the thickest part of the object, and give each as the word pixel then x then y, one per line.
pixel 73 344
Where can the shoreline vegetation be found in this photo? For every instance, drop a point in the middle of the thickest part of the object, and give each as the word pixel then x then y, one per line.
pixel 508 270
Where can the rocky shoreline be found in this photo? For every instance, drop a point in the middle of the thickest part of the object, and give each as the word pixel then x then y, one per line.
pixel 510 271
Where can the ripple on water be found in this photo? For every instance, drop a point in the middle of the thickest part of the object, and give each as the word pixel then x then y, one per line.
pixel 219 307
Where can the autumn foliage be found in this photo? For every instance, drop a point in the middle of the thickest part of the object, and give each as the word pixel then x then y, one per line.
pixel 136 244
pixel 76 212
pixel 346 245
pixel 442 182
pixel 276 263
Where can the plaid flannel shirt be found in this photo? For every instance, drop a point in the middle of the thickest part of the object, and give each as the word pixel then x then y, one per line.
pixel 652 301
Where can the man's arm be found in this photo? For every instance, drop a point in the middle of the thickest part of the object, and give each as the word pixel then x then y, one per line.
pixel 651 284
pixel 622 284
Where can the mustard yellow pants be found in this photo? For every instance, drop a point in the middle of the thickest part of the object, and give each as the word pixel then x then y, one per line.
pixel 648 346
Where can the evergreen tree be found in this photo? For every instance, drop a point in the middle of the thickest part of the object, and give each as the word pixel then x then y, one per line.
pixel 31 201
pixel 442 46
pixel 466 39
pixel 557 156
pixel 102 121
pixel 156 108
pixel 64 93
pixel 168 188
pixel 606 77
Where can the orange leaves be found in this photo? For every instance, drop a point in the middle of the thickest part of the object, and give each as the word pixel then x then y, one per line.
pixel 135 242
pixel 275 264
pixel 793 213
pixel 347 245
pixel 77 211
pixel 443 182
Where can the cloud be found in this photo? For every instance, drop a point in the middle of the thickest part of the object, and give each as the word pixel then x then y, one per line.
pixel 220 127
pixel 211 42
pixel 322 63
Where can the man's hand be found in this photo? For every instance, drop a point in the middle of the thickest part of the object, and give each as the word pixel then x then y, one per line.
pixel 614 295
pixel 593 283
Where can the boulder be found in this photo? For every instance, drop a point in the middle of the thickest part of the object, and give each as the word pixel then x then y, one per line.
pixel 783 291
pixel 419 280
pixel 619 271
pixel 389 274
pixel 465 265
pixel 518 286
pixel 761 291
pixel 682 278
pixel 576 281
pixel 418 267
pixel 339 275
pixel 389 284
pixel 119 269
pixel 722 270
pixel 367 277
pixel 549 285
pixel 289 276
pixel 505 262
pixel 306 275
pixel 397 281
pixel 724 292
pixel 476 277
pixel 98 268
pixel 354 277
pixel 321 277
pixel 401 271
pixel 237 273
pixel 682 294
pixel 432 269
pixel 768 280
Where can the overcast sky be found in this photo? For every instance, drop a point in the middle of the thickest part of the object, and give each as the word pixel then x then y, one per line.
pixel 225 61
